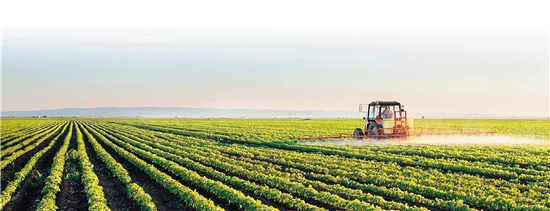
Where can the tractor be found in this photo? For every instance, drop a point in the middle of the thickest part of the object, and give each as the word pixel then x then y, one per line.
pixel 388 119
pixel 383 119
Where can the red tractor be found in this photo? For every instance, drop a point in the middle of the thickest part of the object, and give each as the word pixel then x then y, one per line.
pixel 383 119
pixel 388 119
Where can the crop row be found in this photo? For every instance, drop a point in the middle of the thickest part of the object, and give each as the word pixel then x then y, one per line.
pixel 94 192
pixel 53 181
pixel 255 165
pixel 263 191
pixel 20 176
pixel 135 192
pixel 178 154
pixel 11 154
pixel 15 131
pixel 474 168
pixel 24 139
pixel 191 197
pixel 450 195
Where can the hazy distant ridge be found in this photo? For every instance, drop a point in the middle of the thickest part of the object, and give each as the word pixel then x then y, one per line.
pixel 179 112
pixel 206 112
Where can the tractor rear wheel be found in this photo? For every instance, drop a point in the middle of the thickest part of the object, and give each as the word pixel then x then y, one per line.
pixel 400 130
pixel 358 133
pixel 374 129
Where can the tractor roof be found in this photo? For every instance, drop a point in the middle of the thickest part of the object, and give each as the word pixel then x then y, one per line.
pixel 386 103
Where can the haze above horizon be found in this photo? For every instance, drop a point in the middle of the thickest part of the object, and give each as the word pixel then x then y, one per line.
pixel 333 57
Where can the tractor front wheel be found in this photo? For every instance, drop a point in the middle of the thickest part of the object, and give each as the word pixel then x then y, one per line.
pixel 374 129
pixel 358 133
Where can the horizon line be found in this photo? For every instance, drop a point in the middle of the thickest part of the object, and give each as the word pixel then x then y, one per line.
pixel 464 115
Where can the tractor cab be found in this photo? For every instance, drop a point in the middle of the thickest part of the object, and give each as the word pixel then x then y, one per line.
pixel 382 118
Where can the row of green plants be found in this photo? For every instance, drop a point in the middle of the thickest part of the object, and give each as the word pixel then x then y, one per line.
pixel 427 186
pixel 243 131
pixel 238 157
pixel 15 128
pixel 432 183
pixel 332 200
pixel 25 138
pixel 12 153
pixel 204 153
pixel 190 197
pixel 178 153
pixel 53 181
pixel 530 194
pixel 362 164
pixel 391 192
pixel 475 168
pixel 260 190
pixel 135 192
pixel 94 192
pixel 20 176
pixel 497 155
pixel 289 129
pixel 217 188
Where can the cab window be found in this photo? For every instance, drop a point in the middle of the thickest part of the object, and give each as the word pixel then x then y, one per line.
pixel 373 111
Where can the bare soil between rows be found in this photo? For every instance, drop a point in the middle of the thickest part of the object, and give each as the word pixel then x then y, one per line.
pixel 248 193
pixel 217 200
pixel 9 171
pixel 163 199
pixel 115 191
pixel 28 195
pixel 72 196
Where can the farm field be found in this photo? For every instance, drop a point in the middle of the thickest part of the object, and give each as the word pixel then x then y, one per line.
pixel 258 164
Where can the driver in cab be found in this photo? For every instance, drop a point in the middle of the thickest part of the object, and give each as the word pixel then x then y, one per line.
pixel 387 113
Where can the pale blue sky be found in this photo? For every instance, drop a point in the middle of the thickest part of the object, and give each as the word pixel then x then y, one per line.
pixel 499 72
pixel 483 57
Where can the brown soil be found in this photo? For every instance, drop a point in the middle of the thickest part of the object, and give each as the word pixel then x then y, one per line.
pixel 307 200
pixel 72 196
pixel 163 199
pixel 115 192
pixel 27 196
pixel 16 166
pixel 5 145
pixel 217 200
pixel 265 201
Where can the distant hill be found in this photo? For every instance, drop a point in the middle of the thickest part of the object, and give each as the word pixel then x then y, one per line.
pixel 179 112
pixel 209 112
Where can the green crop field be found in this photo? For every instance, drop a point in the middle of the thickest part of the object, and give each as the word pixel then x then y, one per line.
pixel 258 164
